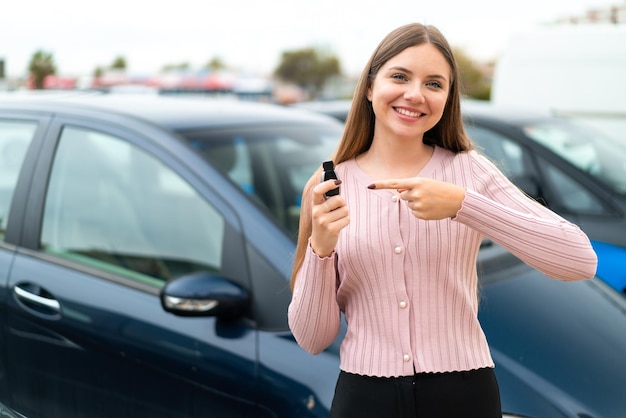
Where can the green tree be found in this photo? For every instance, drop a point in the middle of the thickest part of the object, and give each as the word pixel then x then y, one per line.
pixel 119 63
pixel 174 67
pixel 474 82
pixel 308 68
pixel 41 65
pixel 215 63
pixel 98 72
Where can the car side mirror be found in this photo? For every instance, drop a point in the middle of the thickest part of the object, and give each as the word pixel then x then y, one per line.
pixel 204 294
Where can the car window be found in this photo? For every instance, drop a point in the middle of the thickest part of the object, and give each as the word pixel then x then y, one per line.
pixel 506 154
pixel 572 196
pixel 270 165
pixel 15 137
pixel 112 206
pixel 566 142
pixel 610 124
pixel 586 148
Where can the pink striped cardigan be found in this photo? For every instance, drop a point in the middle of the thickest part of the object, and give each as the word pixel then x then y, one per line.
pixel 408 287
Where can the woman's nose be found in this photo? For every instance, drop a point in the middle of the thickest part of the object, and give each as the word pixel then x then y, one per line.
pixel 414 93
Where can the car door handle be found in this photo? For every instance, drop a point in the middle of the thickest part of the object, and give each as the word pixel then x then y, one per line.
pixel 30 298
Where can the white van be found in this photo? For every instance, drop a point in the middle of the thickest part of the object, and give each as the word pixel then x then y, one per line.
pixel 577 70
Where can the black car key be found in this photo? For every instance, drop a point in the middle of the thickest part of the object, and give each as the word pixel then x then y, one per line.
pixel 329 174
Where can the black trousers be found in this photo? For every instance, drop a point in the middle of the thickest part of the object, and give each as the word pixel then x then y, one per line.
pixel 468 394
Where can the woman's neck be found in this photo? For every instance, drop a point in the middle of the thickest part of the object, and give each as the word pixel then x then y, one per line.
pixel 394 159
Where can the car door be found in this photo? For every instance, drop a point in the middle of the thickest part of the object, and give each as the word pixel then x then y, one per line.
pixel 110 218
pixel 17 133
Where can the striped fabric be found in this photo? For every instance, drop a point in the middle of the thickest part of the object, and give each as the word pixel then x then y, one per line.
pixel 408 287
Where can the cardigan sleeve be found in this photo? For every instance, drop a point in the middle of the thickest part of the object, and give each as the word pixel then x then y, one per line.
pixel 314 314
pixel 532 232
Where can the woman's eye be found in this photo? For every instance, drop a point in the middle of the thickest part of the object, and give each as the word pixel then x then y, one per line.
pixel 400 77
pixel 434 84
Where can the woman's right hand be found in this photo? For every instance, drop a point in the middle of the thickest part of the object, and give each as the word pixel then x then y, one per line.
pixel 329 217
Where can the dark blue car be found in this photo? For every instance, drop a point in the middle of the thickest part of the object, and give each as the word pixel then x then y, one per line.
pixel 145 249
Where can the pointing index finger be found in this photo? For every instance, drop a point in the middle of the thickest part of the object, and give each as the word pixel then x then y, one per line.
pixel 397 184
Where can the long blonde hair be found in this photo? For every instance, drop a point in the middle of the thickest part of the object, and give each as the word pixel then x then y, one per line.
pixel 448 133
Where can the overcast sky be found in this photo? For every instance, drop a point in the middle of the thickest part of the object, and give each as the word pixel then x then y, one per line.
pixel 250 34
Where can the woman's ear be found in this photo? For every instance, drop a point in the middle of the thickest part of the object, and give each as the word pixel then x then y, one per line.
pixel 369 90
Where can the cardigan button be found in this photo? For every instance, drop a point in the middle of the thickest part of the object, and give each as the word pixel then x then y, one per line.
pixel 402 304
pixel 394 198
pixel 398 250
pixel 406 358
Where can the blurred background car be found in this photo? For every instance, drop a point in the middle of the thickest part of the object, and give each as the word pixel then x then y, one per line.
pixel 145 254
pixel 576 170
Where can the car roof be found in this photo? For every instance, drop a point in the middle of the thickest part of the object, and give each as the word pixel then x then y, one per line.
pixel 476 109
pixel 337 108
pixel 173 112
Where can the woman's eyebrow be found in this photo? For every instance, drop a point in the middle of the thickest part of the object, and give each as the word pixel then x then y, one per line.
pixel 406 70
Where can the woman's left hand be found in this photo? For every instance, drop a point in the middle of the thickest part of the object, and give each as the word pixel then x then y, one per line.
pixel 427 199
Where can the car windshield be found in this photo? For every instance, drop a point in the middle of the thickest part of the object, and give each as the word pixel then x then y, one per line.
pixel 586 148
pixel 611 124
pixel 270 164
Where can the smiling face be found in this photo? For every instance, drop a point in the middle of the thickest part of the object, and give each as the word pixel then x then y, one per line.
pixel 409 92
